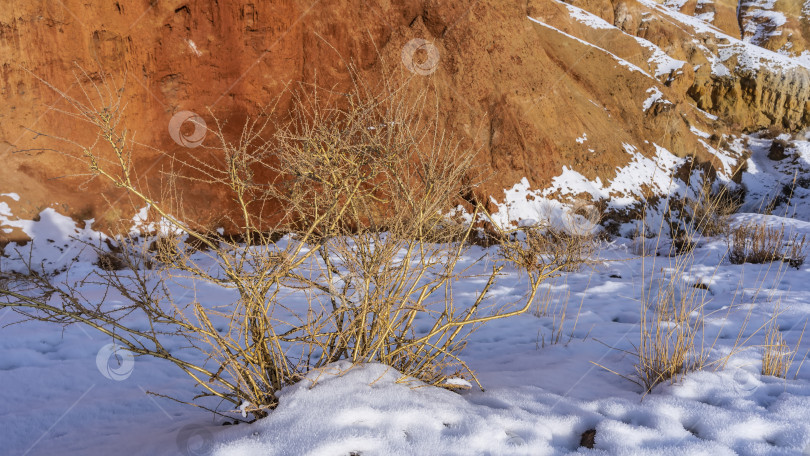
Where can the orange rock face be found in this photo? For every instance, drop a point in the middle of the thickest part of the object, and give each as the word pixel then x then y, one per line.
pixel 521 82
pixel 778 25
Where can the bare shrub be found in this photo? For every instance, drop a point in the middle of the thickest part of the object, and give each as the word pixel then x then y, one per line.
pixel 336 257
pixel 536 247
pixel 572 243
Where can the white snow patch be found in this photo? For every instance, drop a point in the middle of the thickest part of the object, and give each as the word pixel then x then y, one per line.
pixel 706 114
pixel 700 133
pixel 761 22
pixel 142 225
pixel 706 17
pixel 655 95
pixel 194 48
pixel 56 240
pixel 522 202
pixel 677 4
pixel 587 18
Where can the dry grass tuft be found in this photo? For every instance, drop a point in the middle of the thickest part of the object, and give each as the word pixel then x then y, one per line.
pixel 670 329
pixel 110 261
pixel 553 303
pixel 778 357
pixel 707 213
pixel 671 332
pixel 757 244
pixel 711 209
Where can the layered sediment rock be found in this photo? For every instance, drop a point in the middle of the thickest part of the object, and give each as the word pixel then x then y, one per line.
pixel 538 87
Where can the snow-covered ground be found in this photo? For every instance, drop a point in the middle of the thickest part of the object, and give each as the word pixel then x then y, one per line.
pixel 62 393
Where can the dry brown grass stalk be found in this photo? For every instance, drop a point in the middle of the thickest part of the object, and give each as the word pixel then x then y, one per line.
pixel 777 356
pixel 711 209
pixel 671 331
pixel 670 327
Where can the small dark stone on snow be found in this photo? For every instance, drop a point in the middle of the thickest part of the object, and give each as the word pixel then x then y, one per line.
pixel 588 438
pixel 778 149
